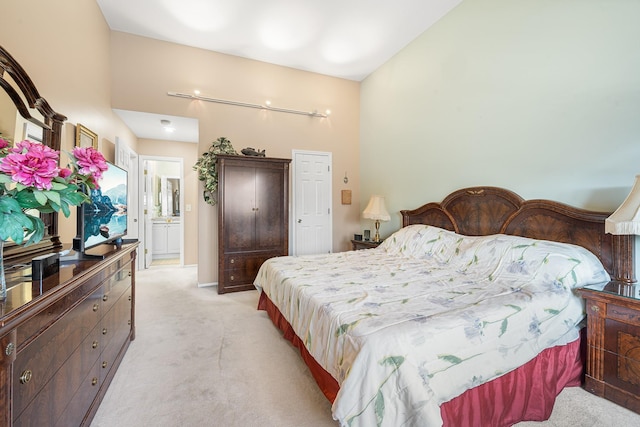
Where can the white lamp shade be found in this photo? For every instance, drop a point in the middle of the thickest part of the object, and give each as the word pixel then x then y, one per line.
pixel 376 209
pixel 626 219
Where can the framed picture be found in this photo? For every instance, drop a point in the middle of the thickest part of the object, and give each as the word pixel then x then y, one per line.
pixel 346 197
pixel 86 137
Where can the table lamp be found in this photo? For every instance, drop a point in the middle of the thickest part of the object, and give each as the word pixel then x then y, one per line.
pixel 377 211
pixel 624 223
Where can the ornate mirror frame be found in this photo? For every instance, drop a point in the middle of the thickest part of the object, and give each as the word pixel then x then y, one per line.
pixel 28 102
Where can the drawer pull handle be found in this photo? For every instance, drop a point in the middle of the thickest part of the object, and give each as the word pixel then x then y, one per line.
pixel 26 376
pixel 104 364
pixel 104 331
pixel 95 307
pixel 129 322
pixel 95 344
pixel 129 274
pixel 595 308
pixel 94 381
pixel 233 261
pixel 232 278
pixel 105 298
pixel 129 297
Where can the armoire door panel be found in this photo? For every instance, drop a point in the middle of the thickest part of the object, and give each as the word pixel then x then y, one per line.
pixel 240 206
pixel 271 211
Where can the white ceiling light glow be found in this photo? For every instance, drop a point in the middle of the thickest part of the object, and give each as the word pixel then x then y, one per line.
pixel 287 26
pixel 346 39
pixel 201 15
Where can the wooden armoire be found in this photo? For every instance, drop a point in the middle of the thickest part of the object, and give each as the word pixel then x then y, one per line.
pixel 253 217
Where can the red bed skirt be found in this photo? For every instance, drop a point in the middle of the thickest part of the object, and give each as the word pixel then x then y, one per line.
pixel 525 394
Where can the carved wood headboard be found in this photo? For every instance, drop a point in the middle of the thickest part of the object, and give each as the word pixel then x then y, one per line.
pixel 479 211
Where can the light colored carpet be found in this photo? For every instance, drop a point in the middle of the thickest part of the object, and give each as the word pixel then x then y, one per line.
pixel 203 359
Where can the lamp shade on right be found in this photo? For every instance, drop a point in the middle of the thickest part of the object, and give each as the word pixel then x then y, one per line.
pixel 626 219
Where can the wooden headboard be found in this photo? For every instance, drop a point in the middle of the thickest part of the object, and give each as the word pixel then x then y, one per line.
pixel 479 211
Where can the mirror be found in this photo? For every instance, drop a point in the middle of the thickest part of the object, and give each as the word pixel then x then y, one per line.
pixel 165 188
pixel 24 114
pixel 169 196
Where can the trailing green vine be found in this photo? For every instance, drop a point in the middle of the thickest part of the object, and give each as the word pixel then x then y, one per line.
pixel 206 167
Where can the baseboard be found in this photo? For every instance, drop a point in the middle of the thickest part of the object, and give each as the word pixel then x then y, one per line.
pixel 208 285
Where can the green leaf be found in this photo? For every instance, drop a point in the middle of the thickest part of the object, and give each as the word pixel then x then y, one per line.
pixel 9 204
pixel 14 225
pixel 75 199
pixel 58 186
pixel 38 233
pixel 65 209
pixel 53 196
pixel 454 360
pixel 394 361
pixel 345 327
pixel 503 327
pixel 40 197
pixel 379 408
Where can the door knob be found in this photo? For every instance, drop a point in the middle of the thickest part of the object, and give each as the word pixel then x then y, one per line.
pixel 299 221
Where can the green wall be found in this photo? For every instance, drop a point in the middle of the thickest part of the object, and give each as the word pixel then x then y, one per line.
pixel 540 97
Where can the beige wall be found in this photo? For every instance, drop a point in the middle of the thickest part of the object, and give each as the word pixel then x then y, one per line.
pixel 188 152
pixel 541 97
pixel 64 47
pixel 144 70
pixel 83 69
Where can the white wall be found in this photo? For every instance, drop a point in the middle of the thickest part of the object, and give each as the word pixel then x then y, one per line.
pixel 540 97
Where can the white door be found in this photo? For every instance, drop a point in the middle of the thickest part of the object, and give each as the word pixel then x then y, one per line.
pixel 147 203
pixel 311 203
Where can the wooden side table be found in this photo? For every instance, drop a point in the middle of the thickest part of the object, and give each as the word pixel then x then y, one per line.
pixel 364 244
pixel 613 342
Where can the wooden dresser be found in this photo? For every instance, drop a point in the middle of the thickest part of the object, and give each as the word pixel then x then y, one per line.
pixel 613 336
pixel 253 217
pixel 62 340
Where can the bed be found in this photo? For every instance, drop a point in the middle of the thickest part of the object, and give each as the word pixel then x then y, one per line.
pixel 466 316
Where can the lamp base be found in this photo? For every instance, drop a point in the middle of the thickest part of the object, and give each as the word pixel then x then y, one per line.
pixel 376 238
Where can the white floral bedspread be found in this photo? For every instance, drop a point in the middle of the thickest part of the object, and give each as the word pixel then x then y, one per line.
pixel 427 315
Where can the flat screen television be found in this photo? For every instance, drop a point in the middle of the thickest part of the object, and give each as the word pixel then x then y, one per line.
pixel 104 219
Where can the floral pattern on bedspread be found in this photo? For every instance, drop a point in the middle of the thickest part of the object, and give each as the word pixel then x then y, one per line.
pixel 427 315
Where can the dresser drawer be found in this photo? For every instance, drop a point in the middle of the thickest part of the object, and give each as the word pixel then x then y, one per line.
pixel 39 361
pixel 623 314
pixel 115 287
pixel 74 413
pixel 118 325
pixel 30 330
pixel 249 263
pixel 52 399
pixel 238 277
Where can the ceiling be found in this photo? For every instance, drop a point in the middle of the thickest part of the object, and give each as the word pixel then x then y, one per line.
pixel 342 38
pixel 160 126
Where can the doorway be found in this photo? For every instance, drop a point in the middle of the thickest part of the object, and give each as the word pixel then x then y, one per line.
pixel 162 206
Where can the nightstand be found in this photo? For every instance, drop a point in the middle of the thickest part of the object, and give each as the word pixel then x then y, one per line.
pixel 364 244
pixel 613 342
